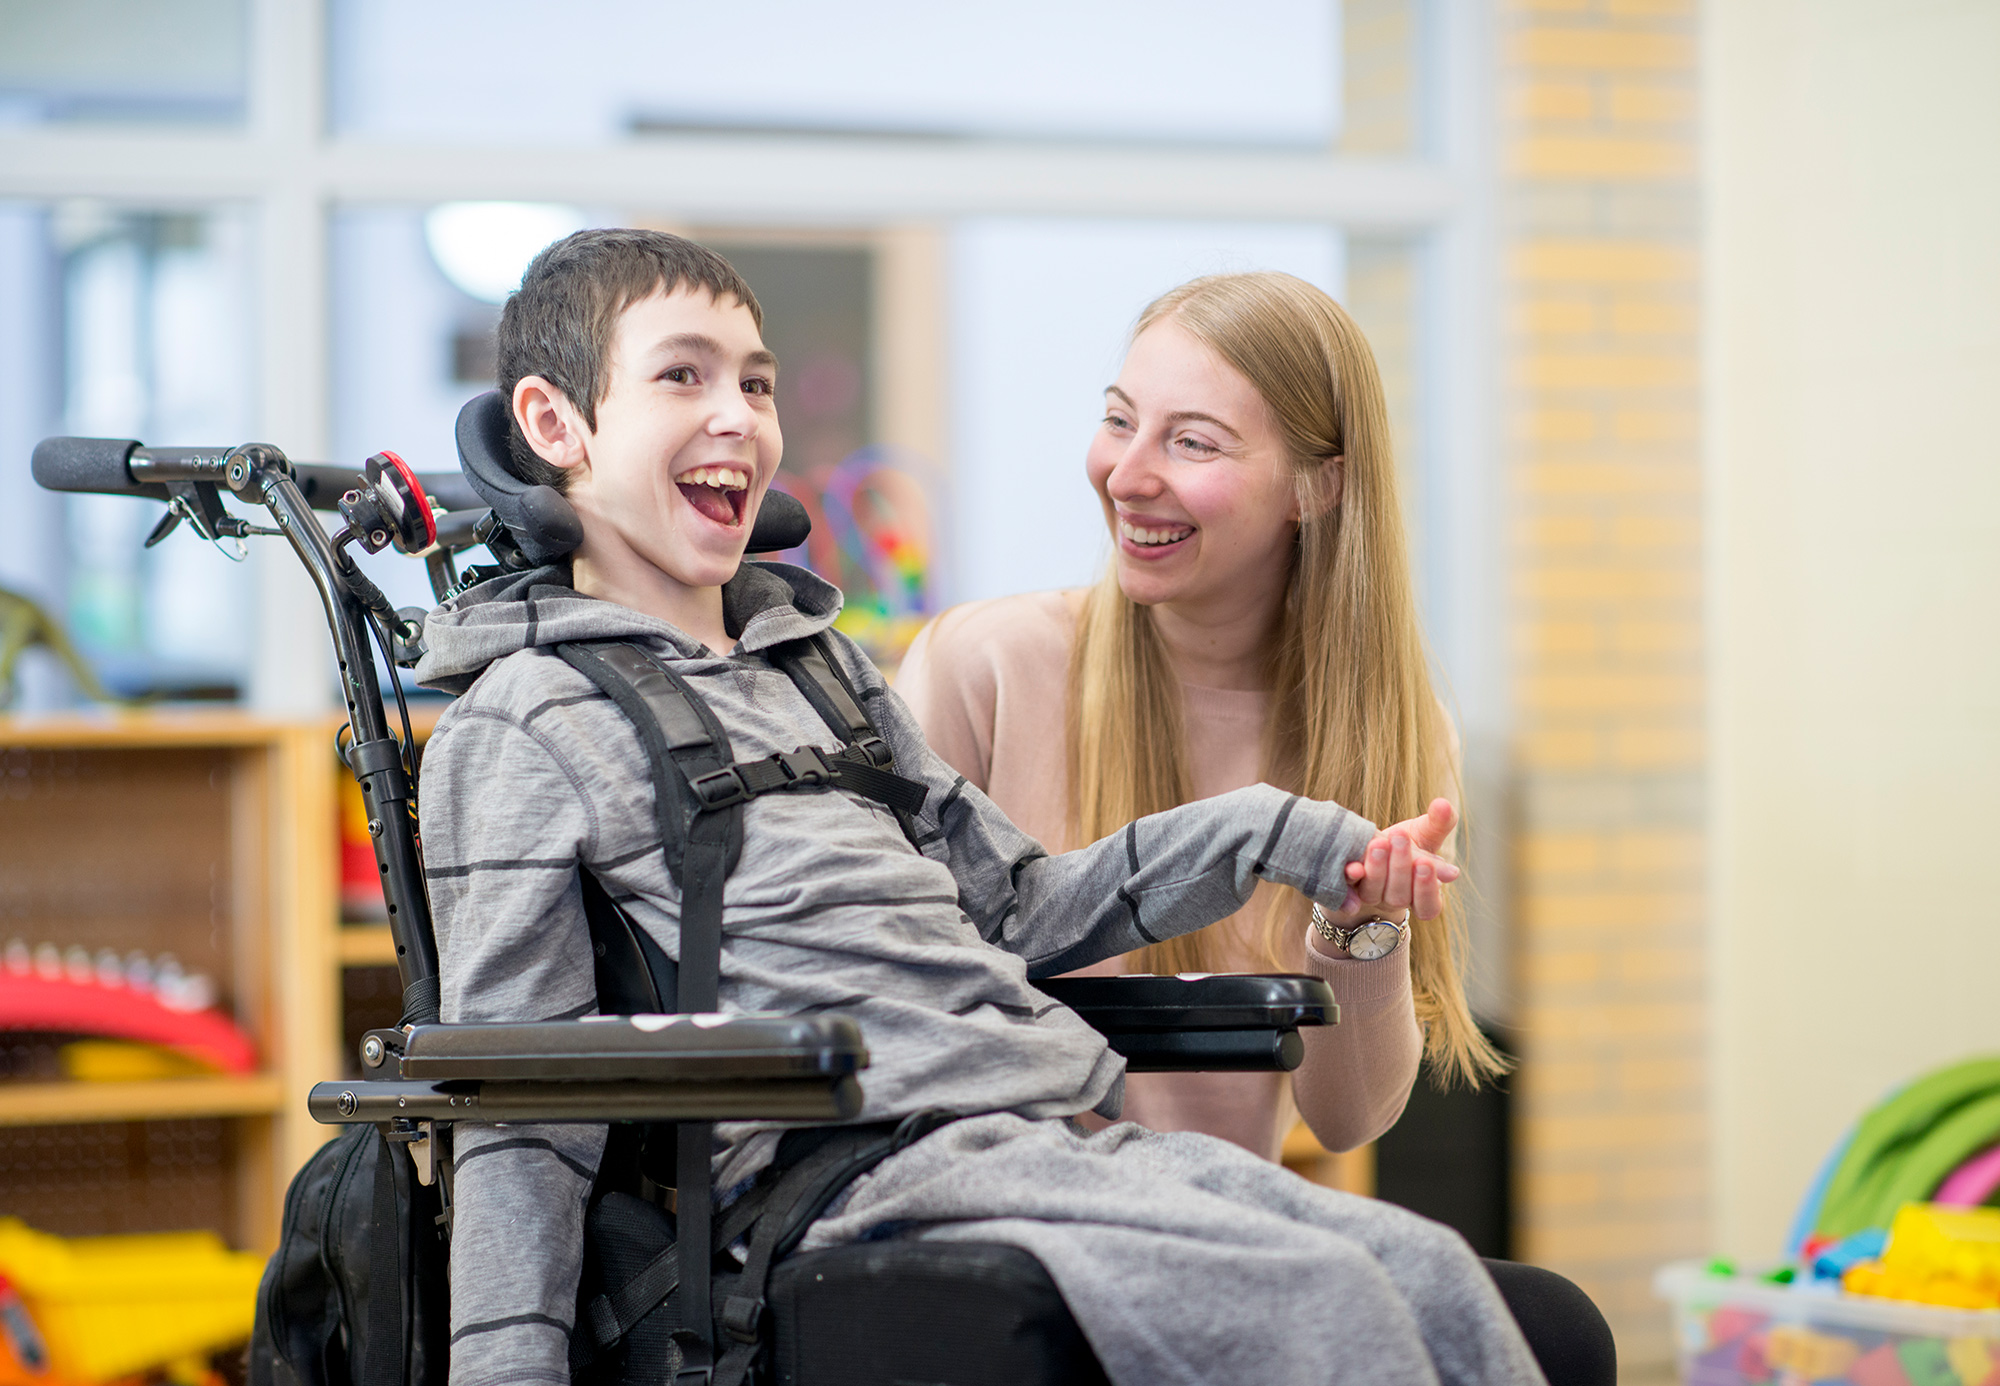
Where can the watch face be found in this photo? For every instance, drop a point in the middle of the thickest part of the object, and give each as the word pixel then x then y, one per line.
pixel 1372 941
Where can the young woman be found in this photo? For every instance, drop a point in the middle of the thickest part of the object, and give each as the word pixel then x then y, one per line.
pixel 1256 623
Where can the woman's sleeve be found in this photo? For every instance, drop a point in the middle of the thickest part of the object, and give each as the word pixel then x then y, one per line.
pixel 952 695
pixel 1357 1075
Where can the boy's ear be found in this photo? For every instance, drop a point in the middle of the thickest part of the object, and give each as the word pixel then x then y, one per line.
pixel 550 423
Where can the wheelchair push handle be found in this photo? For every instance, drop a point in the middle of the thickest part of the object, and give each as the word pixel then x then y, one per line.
pixel 126 467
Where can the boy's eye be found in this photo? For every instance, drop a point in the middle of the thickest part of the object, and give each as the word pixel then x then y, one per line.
pixel 679 375
pixel 758 385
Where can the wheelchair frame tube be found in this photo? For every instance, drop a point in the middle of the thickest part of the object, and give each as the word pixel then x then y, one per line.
pixel 375 756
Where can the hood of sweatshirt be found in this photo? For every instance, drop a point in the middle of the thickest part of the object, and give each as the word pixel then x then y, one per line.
pixel 765 604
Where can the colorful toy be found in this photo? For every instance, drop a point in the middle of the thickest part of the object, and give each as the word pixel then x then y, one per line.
pixel 1794 1348
pixel 871 537
pixel 1973 1182
pixel 1935 1255
pixel 110 1307
pixel 1903 1150
pixel 1739 1329
pixel 361 897
pixel 148 1000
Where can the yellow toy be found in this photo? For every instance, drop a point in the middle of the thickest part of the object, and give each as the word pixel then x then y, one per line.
pixel 110 1307
pixel 1936 1255
pixel 1812 1356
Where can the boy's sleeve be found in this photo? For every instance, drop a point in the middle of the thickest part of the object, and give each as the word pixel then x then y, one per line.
pixel 1164 875
pixel 506 819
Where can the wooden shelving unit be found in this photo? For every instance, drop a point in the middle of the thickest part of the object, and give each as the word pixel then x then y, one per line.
pixel 211 836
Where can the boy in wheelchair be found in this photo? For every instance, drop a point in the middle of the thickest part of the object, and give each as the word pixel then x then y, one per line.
pixel 868 880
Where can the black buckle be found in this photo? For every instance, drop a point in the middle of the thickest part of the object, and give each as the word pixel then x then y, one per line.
pixel 741 1315
pixel 719 788
pixel 804 767
pixel 877 750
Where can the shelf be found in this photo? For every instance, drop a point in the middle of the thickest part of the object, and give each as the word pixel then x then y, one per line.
pixel 124 728
pixel 61 1104
pixel 366 945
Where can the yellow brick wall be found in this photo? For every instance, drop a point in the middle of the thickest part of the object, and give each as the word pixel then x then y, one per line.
pixel 1598 211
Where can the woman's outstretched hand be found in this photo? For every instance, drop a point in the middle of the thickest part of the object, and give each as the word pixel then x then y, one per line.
pixel 1402 869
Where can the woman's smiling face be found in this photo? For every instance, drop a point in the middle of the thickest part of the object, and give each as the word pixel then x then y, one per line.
pixel 1195 481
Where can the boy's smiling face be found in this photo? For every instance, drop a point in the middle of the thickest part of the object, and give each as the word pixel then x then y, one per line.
pixel 668 483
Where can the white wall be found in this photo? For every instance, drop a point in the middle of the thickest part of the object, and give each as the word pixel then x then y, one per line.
pixel 1265 71
pixel 1853 339
pixel 1040 309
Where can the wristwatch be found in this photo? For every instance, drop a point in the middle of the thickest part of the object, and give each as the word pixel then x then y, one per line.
pixel 1365 940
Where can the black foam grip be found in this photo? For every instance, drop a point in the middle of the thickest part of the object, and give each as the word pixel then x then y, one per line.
pixel 89 464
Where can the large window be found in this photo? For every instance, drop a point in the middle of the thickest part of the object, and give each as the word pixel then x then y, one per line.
pixel 952 216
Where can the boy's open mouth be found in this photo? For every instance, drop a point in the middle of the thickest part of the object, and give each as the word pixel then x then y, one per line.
pixel 717 492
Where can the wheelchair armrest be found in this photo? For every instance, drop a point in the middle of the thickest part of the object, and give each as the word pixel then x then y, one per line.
pixel 608 1068
pixel 1216 1022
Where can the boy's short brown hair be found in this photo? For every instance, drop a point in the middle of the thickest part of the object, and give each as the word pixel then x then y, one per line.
pixel 560 322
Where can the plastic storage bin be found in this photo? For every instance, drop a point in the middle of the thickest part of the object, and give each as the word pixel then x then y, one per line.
pixel 1732 1330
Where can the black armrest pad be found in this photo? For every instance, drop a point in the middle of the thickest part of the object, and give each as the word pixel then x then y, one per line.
pixel 650 1048
pixel 1191 1001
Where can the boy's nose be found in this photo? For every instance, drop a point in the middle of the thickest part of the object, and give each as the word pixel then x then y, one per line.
pixel 733 414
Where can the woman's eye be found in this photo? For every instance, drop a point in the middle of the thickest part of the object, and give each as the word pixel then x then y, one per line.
pixel 1196 447
pixel 1115 421
pixel 679 375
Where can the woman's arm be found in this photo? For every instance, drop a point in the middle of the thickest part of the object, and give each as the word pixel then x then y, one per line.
pixel 1356 1076
pixel 951 693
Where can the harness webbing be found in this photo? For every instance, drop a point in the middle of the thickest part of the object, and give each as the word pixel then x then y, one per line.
pixel 699 790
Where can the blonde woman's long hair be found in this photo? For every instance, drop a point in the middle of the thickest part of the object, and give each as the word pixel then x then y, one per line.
pixel 1353 717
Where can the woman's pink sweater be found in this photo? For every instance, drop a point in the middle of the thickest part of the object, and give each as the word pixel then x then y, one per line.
pixel 988 682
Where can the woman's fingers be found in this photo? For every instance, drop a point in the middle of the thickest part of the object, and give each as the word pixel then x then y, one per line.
pixel 1394 873
pixel 1426 896
pixel 1396 891
pixel 1433 830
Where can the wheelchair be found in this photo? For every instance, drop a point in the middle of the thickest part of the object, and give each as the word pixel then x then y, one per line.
pixel 874 1313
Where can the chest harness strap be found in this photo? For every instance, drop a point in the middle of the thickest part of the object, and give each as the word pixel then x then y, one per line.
pixel 699 789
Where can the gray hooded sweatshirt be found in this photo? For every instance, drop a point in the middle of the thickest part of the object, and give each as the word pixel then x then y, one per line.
pixel 533 772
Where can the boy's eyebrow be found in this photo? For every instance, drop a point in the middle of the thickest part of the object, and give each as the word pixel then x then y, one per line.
pixel 699 343
pixel 1178 415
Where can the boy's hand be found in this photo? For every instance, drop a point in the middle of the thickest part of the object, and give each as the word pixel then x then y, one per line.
pixel 1401 868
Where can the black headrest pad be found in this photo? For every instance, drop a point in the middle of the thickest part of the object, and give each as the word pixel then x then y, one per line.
pixel 543 523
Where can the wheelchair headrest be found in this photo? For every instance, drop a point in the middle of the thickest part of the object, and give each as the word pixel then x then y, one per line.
pixel 543 523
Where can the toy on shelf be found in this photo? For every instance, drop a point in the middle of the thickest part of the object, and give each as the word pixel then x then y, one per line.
pixel 136 998
pixel 361 898
pixel 97 1309
pixel 871 537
